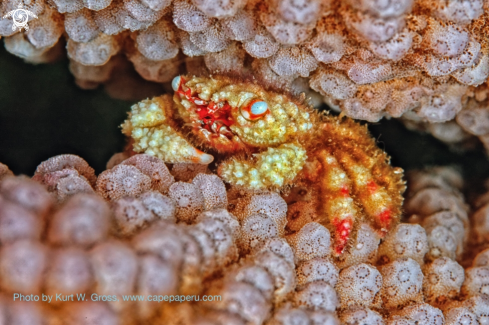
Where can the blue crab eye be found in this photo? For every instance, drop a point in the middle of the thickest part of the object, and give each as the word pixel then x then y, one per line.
pixel 259 108
pixel 175 84
pixel 254 110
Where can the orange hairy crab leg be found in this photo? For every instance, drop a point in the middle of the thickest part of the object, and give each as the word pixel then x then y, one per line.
pixel 374 198
pixel 384 216
pixel 338 205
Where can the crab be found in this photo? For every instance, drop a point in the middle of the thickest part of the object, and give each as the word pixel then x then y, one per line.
pixel 263 139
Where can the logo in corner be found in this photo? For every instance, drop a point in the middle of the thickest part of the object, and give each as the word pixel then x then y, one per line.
pixel 20 17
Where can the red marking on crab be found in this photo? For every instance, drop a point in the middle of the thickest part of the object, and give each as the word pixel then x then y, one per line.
pixel 372 187
pixel 184 93
pixel 385 218
pixel 212 116
pixel 342 233
pixel 345 191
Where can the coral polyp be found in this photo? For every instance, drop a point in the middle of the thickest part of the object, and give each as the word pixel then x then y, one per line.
pixel 261 139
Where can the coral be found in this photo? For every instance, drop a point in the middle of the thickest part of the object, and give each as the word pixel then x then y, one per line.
pixel 66 175
pixel 122 180
pixel 361 315
pixel 213 191
pixel 130 214
pixel 481 259
pixel 404 241
pixel 317 269
pixel 402 284
pixel 188 199
pixel 4 171
pixel 317 296
pixel 481 218
pixel 460 315
pixel 83 220
pixel 235 186
pixel 115 268
pixel 69 272
pixel 476 281
pixel 359 285
pixel 269 204
pixel 312 241
pixel 19 275
pixel 263 140
pixel 197 236
pixel 424 60
pixel 228 61
pixel 438 206
pixel 422 314
pixel 444 277
pixel 158 42
pixel 257 228
pixel 161 179
pixel 17 222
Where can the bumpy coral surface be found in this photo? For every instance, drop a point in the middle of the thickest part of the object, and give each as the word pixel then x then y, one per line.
pixel 262 139
pixel 419 59
pixel 246 193
pixel 141 228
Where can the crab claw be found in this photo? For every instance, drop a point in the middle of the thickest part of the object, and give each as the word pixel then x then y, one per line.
pixel 201 157
pixel 154 134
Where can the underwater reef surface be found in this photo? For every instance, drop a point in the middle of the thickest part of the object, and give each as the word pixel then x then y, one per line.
pixel 140 226
pixel 151 230
pixel 424 61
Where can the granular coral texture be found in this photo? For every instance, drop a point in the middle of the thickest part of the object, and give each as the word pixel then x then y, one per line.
pixel 359 285
pixel 361 315
pixel 127 237
pixel 420 314
pixel 419 59
pixel 402 283
pixel 65 175
pixel 404 241
pixel 444 277
pixel 123 239
pixel 474 118
pixel 471 122
pixel 4 171
pixel 476 275
pixel 436 203
pixel 147 230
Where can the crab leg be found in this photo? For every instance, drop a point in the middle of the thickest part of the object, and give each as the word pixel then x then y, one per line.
pixel 336 203
pixel 272 168
pixel 374 199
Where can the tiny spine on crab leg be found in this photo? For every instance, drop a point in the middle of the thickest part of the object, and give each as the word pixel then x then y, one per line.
pixel 337 203
pixel 375 200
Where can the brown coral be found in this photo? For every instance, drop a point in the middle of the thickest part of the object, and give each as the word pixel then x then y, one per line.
pixel 135 244
pixel 417 58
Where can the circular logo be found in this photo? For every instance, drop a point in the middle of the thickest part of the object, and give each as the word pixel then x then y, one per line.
pixel 20 17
